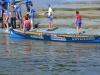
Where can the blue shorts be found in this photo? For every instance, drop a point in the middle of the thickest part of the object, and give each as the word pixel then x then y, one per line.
pixel 27 28
pixel 78 23
pixel 32 16
pixel 50 18
pixel 19 18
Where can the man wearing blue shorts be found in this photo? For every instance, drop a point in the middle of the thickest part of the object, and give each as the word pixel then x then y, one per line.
pixel 50 16
pixel 19 15
pixel 78 22
pixel 32 16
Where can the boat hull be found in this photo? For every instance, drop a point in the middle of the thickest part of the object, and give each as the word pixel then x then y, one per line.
pixel 54 37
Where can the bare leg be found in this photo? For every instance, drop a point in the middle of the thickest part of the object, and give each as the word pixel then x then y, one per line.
pixel 20 23
pixel 77 30
pixel 7 26
pixel 80 28
pixel 0 24
pixel 49 24
pixel 32 23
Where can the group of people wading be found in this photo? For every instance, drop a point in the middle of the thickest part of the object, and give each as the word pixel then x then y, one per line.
pixel 27 22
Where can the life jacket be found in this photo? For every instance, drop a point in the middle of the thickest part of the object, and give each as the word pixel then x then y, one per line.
pixel 27 23
pixel 23 20
pixel 78 16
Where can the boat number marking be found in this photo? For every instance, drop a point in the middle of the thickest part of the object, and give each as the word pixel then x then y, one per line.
pixel 58 38
pixel 88 38
pixel 35 36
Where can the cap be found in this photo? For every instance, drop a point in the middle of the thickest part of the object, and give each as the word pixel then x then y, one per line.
pixel 48 5
pixel 19 5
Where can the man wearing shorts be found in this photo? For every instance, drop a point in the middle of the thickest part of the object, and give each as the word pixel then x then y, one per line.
pixel 19 15
pixel 50 16
pixel 32 16
pixel 13 16
pixel 78 23
pixel 6 17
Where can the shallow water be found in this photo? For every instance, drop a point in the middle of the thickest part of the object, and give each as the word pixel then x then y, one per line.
pixel 66 21
pixel 42 4
pixel 81 0
pixel 74 6
pixel 32 57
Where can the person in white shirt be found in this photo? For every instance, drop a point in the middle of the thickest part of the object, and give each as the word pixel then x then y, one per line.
pixel 50 16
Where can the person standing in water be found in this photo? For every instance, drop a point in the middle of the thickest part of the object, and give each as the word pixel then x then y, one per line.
pixel 12 1
pixel 6 17
pixel 78 23
pixel 31 13
pixel 19 15
pixel 13 14
pixel 50 16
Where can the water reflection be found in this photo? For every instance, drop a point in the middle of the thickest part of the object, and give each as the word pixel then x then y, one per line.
pixel 28 48
pixel 34 57
pixel 78 56
pixel 7 43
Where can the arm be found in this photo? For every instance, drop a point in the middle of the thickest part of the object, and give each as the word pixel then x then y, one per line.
pixel 0 13
pixel 24 27
pixel 16 15
pixel 76 18
pixel 9 14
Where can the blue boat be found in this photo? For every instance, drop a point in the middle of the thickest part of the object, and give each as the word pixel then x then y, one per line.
pixel 35 35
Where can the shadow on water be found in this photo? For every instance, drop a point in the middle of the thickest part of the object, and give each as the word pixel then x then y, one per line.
pixel 32 57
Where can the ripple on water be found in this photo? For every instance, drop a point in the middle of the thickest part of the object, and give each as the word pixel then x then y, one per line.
pixel 49 58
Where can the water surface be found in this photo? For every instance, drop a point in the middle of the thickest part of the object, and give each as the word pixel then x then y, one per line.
pixel 81 0
pixel 32 57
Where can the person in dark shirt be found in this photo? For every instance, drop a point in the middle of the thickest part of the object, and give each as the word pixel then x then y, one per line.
pixel 13 14
pixel 4 3
pixel 32 16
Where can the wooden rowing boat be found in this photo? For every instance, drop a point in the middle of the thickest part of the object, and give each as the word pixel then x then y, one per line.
pixel 34 35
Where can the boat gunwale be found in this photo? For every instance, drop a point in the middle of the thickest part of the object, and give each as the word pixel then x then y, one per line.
pixel 59 35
